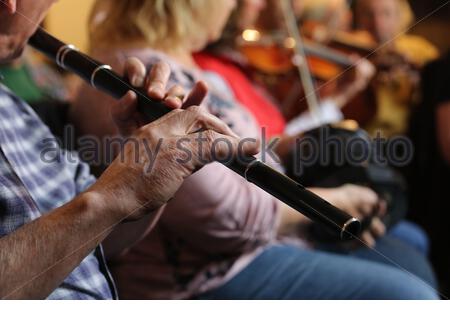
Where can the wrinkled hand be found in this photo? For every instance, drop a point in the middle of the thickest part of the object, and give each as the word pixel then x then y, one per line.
pixel 362 203
pixel 159 156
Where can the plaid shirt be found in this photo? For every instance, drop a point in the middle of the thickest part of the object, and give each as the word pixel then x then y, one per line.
pixel 30 186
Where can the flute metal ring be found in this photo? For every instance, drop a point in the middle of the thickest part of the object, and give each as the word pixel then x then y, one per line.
pixel 62 52
pixel 346 231
pixel 96 71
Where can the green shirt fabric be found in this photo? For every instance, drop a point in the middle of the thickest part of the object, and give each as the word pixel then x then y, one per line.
pixel 20 81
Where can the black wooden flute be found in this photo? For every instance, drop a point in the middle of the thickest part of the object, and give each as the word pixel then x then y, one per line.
pixel 103 78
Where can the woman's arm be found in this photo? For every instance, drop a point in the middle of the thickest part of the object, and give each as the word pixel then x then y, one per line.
pixel 217 211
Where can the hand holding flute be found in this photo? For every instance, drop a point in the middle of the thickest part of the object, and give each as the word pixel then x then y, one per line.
pixel 293 194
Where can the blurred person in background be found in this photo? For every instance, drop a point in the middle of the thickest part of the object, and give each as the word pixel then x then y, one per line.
pixel 335 15
pixel 344 92
pixel 399 58
pixel 224 57
pixel 224 244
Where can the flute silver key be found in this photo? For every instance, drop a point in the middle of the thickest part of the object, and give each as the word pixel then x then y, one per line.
pixel 102 77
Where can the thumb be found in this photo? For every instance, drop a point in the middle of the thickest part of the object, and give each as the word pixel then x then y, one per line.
pixel 11 5
pixel 197 95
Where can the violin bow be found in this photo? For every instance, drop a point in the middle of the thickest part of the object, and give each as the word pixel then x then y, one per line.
pixel 301 61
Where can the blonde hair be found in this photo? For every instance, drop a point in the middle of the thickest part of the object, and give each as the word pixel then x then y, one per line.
pixel 165 24
pixel 407 16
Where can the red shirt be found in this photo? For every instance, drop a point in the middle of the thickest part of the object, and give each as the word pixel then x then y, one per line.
pixel 266 113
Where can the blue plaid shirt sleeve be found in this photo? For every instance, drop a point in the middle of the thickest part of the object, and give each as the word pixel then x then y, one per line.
pixel 30 187
pixel 82 174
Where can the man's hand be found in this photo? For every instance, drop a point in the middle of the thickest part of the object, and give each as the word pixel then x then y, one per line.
pixel 159 156
pixel 125 114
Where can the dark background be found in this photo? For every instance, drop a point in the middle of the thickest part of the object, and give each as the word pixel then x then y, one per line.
pixel 436 28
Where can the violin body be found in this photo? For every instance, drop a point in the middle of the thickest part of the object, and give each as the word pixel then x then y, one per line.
pixel 272 68
pixel 274 65
pixel 273 53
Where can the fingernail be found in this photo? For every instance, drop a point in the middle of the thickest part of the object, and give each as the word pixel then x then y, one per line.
pixel 137 81
pixel 156 90
pixel 132 95
pixel 175 100
pixel 129 98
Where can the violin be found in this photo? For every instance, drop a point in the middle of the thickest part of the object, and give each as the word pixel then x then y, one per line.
pixel 359 42
pixel 350 42
pixel 273 53
pixel 274 65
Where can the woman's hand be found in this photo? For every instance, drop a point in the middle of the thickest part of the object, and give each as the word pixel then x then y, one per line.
pixel 358 81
